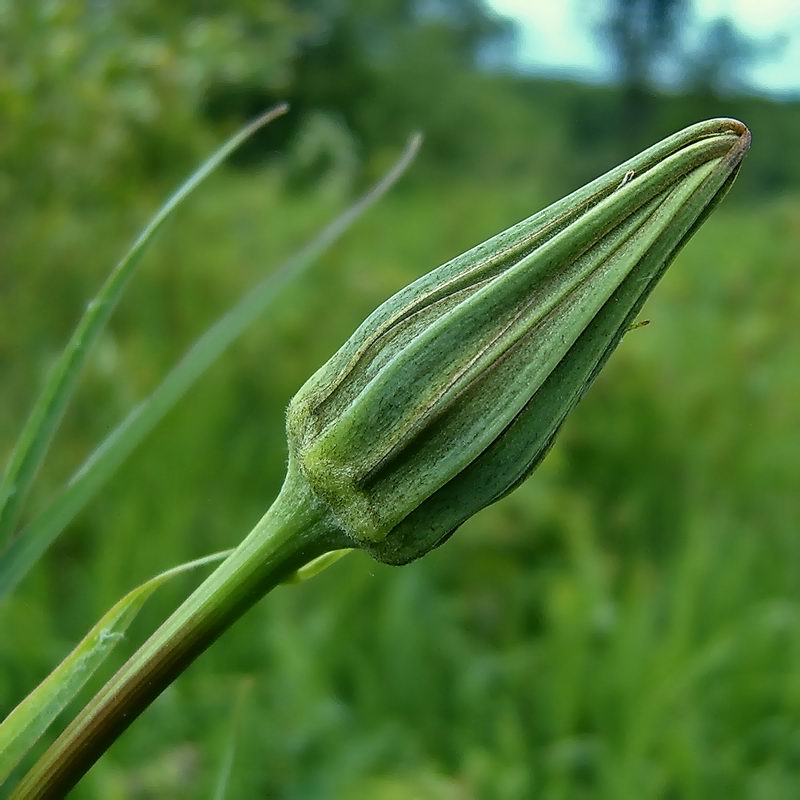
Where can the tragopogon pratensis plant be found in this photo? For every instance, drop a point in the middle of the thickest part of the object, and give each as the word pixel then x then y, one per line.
pixel 444 400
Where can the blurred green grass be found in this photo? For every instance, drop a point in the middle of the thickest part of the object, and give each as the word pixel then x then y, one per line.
pixel 624 625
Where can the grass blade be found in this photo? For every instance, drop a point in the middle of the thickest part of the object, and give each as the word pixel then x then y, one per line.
pixel 24 551
pixel 31 718
pixel 232 739
pixel 317 565
pixel 34 439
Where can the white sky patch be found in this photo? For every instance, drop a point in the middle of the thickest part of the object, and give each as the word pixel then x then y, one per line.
pixel 554 36
pixel 763 19
pixel 559 36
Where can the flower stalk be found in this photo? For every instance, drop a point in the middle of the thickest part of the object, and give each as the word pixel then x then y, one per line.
pixel 295 530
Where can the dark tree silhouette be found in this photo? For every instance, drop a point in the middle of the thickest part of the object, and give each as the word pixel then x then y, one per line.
pixel 639 34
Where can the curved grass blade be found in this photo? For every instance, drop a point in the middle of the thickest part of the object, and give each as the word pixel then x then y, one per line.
pixel 34 439
pixel 232 740
pixel 24 551
pixel 31 718
pixel 317 565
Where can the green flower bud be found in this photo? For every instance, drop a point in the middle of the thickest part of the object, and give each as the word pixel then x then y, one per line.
pixel 452 391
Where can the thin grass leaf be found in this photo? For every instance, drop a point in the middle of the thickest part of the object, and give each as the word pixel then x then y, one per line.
pixel 232 741
pixel 24 551
pixel 31 446
pixel 31 718
pixel 317 565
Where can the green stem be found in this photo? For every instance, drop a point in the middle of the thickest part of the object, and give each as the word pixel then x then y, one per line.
pixel 296 529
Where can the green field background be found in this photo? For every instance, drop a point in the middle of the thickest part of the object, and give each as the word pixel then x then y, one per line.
pixel 624 625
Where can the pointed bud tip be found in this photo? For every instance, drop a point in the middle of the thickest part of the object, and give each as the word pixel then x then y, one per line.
pixel 742 145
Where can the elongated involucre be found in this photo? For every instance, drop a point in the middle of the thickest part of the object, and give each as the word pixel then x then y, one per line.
pixel 452 391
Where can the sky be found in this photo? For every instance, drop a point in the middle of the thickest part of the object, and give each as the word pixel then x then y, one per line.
pixel 557 36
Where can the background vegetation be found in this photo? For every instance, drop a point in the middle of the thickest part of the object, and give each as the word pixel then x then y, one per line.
pixel 626 624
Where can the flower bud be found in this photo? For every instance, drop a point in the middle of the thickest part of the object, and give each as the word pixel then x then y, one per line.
pixel 452 391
